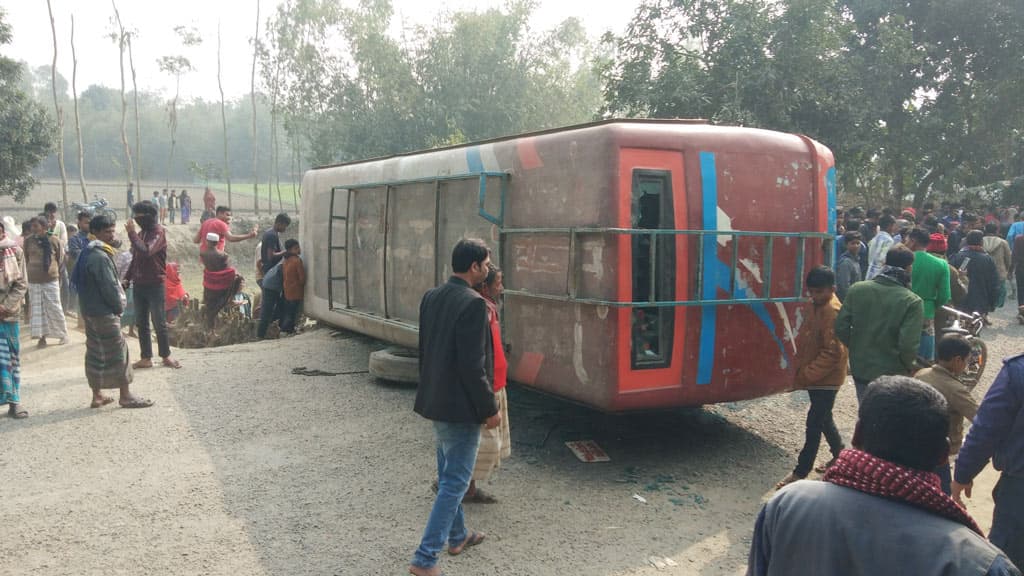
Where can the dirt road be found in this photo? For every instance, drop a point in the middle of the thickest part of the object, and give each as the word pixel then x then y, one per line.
pixel 243 468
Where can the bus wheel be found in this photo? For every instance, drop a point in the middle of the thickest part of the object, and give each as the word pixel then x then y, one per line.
pixel 396 365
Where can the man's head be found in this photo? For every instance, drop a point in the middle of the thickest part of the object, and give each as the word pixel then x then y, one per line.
pixel 50 208
pixel 291 246
pixel 212 240
pixel 156 193
pixel 854 241
pixel 821 284
pixel 887 223
pixel 102 228
pixel 144 214
pixel 904 421
pixel 224 214
pixel 39 225
pixel 83 221
pixel 900 257
pixel 281 222
pixel 975 238
pixel 937 245
pixel 953 352
pixel 917 239
pixel 470 258
pixel 991 229
pixel 970 221
pixel 873 214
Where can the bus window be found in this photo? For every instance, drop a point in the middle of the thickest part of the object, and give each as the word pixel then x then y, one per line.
pixel 652 326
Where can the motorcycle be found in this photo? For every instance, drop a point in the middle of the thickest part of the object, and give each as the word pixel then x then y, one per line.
pixel 969 326
pixel 95 207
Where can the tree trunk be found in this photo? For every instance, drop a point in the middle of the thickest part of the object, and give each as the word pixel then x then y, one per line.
pixel 78 121
pixel 138 128
pixel 223 120
pixel 255 141
pixel 59 110
pixel 172 124
pixel 129 168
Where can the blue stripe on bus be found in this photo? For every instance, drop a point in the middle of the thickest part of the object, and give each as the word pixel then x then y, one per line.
pixel 830 189
pixel 709 314
pixel 474 160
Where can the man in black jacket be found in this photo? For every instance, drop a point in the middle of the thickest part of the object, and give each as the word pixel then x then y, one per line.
pixel 455 392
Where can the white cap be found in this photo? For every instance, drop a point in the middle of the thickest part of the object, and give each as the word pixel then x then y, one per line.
pixel 213 237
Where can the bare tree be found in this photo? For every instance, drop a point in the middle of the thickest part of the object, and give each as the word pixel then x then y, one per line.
pixel 255 141
pixel 78 121
pixel 138 129
pixel 177 65
pixel 121 37
pixel 60 115
pixel 223 119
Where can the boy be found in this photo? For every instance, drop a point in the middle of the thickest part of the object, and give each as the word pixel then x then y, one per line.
pixel 848 268
pixel 294 284
pixel 953 353
pixel 820 369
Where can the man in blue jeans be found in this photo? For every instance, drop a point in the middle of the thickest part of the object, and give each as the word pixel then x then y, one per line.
pixel 455 392
pixel 997 432
pixel 147 274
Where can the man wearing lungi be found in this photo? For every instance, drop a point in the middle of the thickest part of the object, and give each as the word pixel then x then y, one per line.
pixel 101 301
pixel 43 257
pixel 13 287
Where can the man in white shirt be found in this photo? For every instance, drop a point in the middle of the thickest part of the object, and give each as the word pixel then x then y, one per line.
pixel 880 244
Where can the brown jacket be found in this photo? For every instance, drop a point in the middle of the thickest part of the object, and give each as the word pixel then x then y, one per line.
pixel 958 397
pixel 34 259
pixel 820 357
pixel 294 278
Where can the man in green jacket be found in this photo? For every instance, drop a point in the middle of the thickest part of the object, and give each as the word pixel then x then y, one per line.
pixel 930 281
pixel 880 322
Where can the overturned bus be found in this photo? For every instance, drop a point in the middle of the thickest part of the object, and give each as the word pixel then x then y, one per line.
pixel 648 263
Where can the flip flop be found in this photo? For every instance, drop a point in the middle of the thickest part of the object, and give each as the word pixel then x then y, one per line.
pixel 136 403
pixel 18 413
pixel 472 539
pixel 140 366
pixel 170 363
pixel 106 400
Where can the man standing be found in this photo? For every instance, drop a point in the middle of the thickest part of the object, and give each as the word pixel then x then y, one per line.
pixel 162 205
pixel 221 226
pixel 880 322
pixel 43 255
pixel 999 250
pixel 270 254
pixel 209 202
pixel 930 281
pixel 848 268
pixel 455 392
pixel 997 433
pixel 56 227
pixel 880 509
pixel 880 244
pixel 13 287
pixel 172 205
pixel 982 276
pixel 102 301
pixel 76 244
pixel 147 276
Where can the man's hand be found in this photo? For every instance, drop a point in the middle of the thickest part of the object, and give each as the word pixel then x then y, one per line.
pixel 493 421
pixel 958 488
pixel 129 226
pixel 255 232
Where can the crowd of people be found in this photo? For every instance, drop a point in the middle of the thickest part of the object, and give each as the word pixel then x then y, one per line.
pixel 51 270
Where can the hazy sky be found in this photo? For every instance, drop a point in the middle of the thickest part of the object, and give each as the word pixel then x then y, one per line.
pixel 155 22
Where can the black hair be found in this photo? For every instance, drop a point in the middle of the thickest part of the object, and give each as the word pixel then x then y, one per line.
pixel 3 227
pixel 467 252
pixel 899 256
pixel 920 236
pixel 904 421
pixel 931 222
pixel 42 221
pixel 975 238
pixel 100 223
pixel 969 217
pixel 853 235
pixel 145 207
pixel 223 209
pixel 821 277
pixel 83 214
pixel 290 243
pixel 50 208
pixel 282 218
pixel 886 221
pixel 952 346
pixel 991 228
pixel 873 213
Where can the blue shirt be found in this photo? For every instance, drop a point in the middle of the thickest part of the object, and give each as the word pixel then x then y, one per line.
pixel 998 428
pixel 1016 229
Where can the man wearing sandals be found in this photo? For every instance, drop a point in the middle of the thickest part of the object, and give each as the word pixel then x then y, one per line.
pixel 455 392
pixel 102 301
pixel 147 274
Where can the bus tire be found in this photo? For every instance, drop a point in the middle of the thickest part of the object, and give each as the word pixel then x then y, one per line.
pixel 396 365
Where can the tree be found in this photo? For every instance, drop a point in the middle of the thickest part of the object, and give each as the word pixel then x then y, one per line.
pixel 120 36
pixel 255 142
pixel 176 66
pixel 78 118
pixel 223 119
pixel 26 132
pixel 58 113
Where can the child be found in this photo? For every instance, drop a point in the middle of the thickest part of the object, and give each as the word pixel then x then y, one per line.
pixel 294 284
pixel 820 369
pixel 953 353
pixel 848 268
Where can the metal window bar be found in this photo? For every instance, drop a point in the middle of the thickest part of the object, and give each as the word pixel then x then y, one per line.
pixel 332 247
pixel 769 238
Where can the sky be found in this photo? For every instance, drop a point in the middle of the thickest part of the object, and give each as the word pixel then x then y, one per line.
pixel 155 22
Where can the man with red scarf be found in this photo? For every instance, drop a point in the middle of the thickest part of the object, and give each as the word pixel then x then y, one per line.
pixel 880 509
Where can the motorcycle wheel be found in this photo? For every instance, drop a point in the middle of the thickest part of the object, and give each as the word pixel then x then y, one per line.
pixel 976 363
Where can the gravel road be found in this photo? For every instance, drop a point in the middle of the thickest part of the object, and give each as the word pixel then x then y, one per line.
pixel 244 468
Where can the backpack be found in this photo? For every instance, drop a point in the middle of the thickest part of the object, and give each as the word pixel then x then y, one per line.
pixel 274 278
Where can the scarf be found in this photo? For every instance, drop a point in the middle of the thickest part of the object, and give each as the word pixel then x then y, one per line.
pixel 872 475
pixel 896 274
pixel 9 267
pixel 78 273
pixel 218 280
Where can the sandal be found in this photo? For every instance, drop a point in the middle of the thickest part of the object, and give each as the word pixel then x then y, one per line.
pixel 171 363
pixel 472 539
pixel 480 497
pixel 136 403
pixel 106 400
pixel 17 412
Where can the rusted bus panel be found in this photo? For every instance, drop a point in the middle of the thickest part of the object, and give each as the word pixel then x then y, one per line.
pixel 366 249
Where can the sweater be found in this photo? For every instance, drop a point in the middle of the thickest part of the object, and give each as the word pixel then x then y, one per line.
pixel 880 323
pixel 294 278
pixel 35 260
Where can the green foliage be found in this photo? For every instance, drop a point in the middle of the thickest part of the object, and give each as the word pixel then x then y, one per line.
pixel 915 98
pixel 26 131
